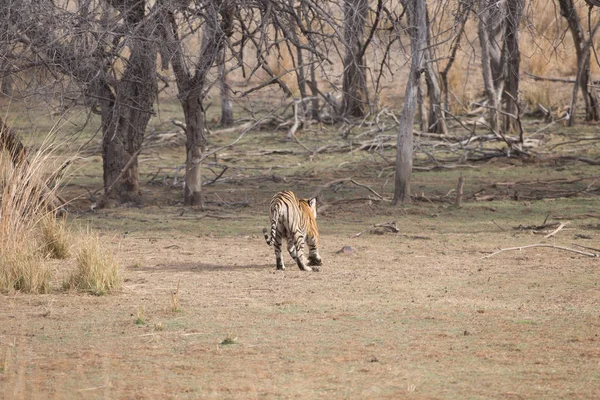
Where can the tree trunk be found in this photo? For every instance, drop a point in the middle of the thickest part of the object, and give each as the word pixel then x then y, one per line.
pixel 226 101
pixel 124 121
pixel 191 87
pixel 513 60
pixel 194 146
pixel 437 118
pixel 314 90
pixel 404 148
pixel 312 83
pixel 460 20
pixel 493 93
pixel 582 50
pixel 422 107
pixel 495 27
pixel 354 81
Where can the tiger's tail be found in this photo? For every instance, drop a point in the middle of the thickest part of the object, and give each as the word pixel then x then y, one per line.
pixel 274 220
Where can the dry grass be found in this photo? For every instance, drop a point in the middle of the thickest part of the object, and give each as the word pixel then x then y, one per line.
pixel 97 271
pixel 22 209
pixel 55 237
pixel 174 300
pixel 23 270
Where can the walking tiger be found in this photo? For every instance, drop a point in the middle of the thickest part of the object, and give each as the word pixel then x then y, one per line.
pixel 295 220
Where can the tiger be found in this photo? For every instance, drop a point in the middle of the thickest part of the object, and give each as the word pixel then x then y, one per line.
pixel 294 219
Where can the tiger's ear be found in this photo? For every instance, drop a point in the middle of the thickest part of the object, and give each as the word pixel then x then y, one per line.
pixel 312 203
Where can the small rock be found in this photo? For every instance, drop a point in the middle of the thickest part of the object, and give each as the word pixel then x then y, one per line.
pixel 347 250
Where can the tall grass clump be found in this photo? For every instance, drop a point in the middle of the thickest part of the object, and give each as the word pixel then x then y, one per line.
pixel 55 237
pixel 24 194
pixel 97 271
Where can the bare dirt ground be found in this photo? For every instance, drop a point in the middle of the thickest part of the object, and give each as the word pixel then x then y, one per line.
pixel 415 314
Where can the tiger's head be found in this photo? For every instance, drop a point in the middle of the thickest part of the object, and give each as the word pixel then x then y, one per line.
pixel 308 209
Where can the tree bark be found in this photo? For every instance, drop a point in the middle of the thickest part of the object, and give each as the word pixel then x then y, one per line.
pixel 354 81
pixel 512 55
pixel 226 100
pixel 195 146
pixel 493 87
pixel 404 148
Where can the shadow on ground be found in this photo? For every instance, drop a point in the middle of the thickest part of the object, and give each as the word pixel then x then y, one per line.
pixel 199 267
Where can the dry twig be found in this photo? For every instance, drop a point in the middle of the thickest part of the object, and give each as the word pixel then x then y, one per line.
pixel 554 232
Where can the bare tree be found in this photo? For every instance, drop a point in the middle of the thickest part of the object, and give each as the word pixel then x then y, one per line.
pixel 191 83
pixel 122 96
pixel 417 29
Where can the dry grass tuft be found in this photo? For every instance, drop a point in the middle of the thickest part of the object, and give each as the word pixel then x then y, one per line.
pixel 55 237
pixel 229 340
pixel 175 300
pixel 97 271
pixel 23 270
pixel 140 316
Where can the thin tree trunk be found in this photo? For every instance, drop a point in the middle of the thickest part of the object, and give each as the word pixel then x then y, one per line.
pixel 194 146
pixel 437 119
pixel 492 93
pixel 462 15
pixel 299 62
pixel 582 50
pixel 513 60
pixel 314 90
pixel 404 147
pixel 422 107
pixel 354 81
pixel 191 88
pixel 226 100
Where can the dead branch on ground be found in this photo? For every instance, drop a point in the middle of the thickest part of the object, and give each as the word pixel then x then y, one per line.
pixel 542 245
pixel 387 226
pixel 554 232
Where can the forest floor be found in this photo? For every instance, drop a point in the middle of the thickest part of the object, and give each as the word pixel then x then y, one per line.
pixel 419 313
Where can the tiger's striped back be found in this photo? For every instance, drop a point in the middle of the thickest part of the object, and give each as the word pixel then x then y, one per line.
pixel 295 220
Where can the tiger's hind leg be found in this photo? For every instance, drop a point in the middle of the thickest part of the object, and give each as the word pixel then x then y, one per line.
pixel 278 257
pixel 299 247
pixel 292 248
